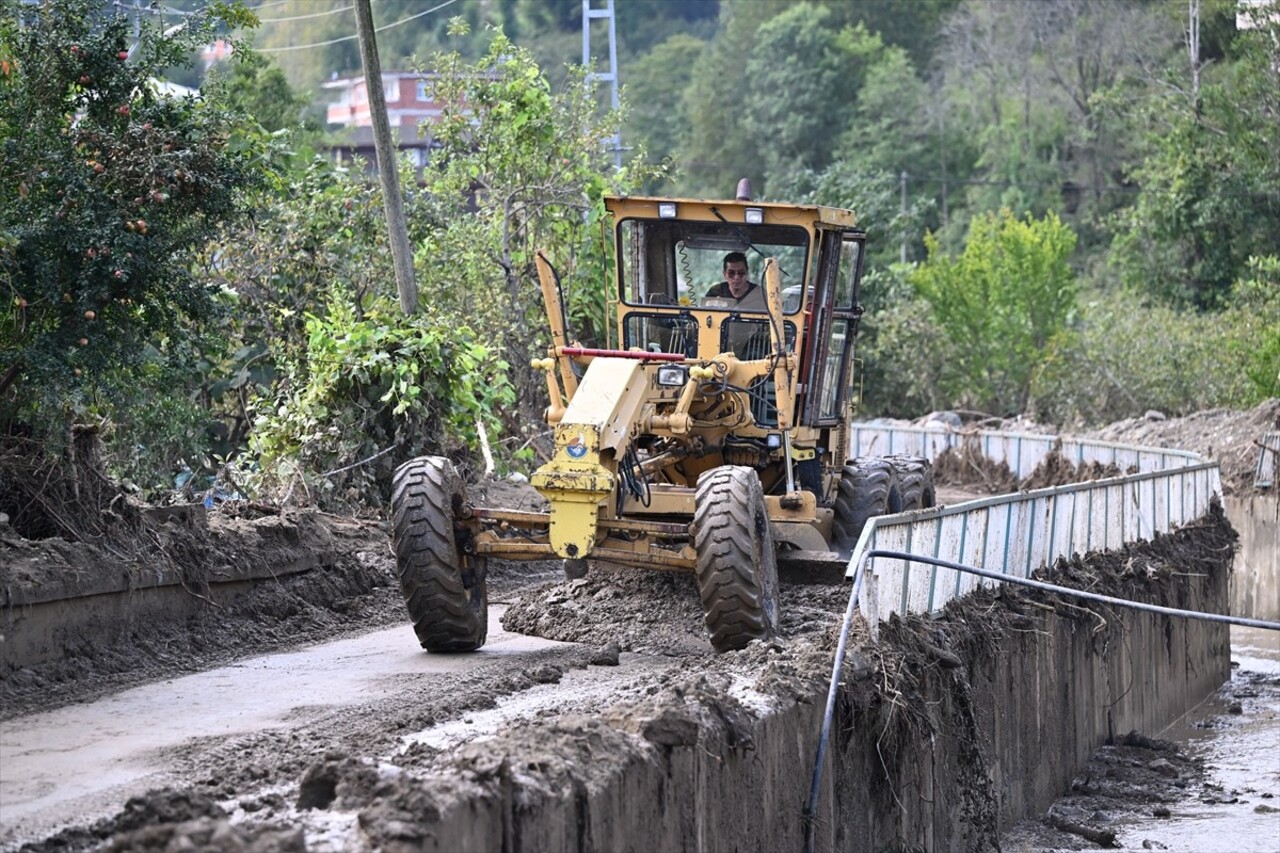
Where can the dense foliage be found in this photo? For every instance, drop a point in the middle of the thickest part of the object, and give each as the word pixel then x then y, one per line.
pixel 107 186
pixel 1072 211
pixel 521 166
pixel 1001 306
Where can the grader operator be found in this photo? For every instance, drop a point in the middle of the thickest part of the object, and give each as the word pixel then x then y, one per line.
pixel 713 436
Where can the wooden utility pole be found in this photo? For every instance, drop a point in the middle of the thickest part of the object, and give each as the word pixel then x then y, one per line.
pixel 388 172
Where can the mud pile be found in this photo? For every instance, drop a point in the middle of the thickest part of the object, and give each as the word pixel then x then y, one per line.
pixel 968 467
pixel 650 612
pixel 1226 436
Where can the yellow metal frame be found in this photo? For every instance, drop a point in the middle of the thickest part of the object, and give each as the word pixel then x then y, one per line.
pixel 594 419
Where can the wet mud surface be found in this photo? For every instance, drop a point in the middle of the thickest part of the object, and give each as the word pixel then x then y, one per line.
pixel 1154 794
pixel 369 775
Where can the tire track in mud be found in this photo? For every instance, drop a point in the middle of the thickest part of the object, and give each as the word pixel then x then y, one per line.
pixel 252 738
pixel 261 722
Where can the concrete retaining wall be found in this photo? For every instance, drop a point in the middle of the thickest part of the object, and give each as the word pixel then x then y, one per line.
pixel 955 757
pixel 1255 581
pixel 52 603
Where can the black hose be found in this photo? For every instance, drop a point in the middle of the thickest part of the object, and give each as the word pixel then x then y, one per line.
pixel 811 807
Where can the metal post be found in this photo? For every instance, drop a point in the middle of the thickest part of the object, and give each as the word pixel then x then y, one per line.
pixel 610 76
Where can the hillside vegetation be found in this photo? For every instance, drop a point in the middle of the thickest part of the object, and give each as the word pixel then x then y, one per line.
pixel 1073 209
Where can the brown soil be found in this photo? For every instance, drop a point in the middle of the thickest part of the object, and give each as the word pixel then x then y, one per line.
pixel 1231 438
pixel 609 611
pixel 969 468
pixel 1227 436
pixel 281 781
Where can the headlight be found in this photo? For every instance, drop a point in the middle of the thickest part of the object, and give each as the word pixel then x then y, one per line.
pixel 672 375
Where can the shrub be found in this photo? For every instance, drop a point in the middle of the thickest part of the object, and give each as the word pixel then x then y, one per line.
pixel 999 305
pixel 1127 356
pixel 370 390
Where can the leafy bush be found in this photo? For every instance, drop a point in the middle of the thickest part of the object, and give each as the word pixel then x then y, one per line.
pixel 1127 356
pixel 999 305
pixel 902 351
pixel 370 390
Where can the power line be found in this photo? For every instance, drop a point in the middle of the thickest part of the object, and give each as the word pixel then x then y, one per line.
pixel 304 17
pixel 353 37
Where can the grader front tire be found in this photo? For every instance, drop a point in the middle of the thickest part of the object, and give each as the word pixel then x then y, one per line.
pixel 737 566
pixel 444 590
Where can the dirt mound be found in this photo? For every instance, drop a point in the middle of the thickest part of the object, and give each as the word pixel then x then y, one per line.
pixel 283 780
pixel 969 468
pixel 1226 436
pixel 1135 775
pixel 652 612
pixel 640 611
pixel 167 819
pixel 1057 470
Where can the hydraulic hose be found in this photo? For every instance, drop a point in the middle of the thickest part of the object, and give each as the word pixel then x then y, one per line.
pixel 811 807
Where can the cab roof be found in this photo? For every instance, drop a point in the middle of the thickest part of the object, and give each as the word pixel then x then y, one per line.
pixel 646 207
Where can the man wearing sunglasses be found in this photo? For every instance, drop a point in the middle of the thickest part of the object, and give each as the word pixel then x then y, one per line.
pixel 737 287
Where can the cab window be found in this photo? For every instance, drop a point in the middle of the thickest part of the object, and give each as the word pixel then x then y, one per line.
pixel 673 262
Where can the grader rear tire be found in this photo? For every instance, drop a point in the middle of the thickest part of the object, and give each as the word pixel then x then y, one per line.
pixel 868 487
pixel 737 567
pixel 915 481
pixel 444 590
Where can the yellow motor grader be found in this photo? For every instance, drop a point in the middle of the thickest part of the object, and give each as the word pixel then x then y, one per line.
pixel 712 438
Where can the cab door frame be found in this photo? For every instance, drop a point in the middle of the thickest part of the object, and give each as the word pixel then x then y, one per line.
pixel 832 327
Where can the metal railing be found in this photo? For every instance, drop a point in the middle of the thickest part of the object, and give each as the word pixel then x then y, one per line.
pixel 1022 452
pixel 1018 534
pixel 1264 474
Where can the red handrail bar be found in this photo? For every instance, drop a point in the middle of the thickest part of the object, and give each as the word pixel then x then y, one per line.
pixel 624 353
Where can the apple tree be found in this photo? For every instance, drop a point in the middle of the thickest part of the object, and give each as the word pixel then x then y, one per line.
pixel 108 183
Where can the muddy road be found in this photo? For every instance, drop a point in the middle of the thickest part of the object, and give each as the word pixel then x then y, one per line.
pixel 305 716
pixel 252 746
pixel 329 746
pixel 263 718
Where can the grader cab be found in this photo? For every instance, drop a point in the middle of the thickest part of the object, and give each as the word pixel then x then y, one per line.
pixel 712 438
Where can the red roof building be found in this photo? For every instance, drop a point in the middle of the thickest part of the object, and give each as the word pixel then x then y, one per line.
pixel 408 96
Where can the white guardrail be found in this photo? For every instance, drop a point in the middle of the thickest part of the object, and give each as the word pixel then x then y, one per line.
pixel 1020 533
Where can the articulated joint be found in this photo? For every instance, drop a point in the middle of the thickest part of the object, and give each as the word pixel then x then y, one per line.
pixel 555 411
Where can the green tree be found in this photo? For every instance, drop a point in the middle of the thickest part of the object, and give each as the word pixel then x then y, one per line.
pixel 522 168
pixel 722 146
pixel 107 187
pixel 790 108
pixel 1210 177
pixel 1001 304
pixel 257 87
pixel 659 116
